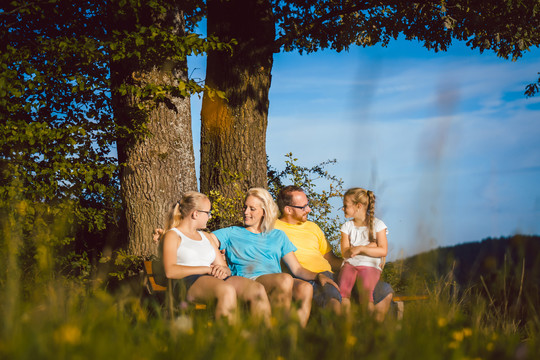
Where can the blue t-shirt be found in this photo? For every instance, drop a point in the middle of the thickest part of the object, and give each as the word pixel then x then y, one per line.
pixel 251 255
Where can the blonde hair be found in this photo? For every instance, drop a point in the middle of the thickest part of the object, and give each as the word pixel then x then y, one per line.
pixel 268 205
pixel 366 198
pixel 189 202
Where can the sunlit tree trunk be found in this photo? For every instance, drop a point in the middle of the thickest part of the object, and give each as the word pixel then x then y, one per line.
pixel 158 165
pixel 233 130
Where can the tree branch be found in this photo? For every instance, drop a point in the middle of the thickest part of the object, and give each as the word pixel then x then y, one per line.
pixel 353 7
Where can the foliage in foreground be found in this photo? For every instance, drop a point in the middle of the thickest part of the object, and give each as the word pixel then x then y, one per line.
pixel 46 315
pixel 64 320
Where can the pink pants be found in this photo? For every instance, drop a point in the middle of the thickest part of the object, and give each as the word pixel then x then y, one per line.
pixel 369 276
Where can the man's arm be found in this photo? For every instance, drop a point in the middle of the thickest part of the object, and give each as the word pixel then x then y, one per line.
pixel 303 273
pixel 334 261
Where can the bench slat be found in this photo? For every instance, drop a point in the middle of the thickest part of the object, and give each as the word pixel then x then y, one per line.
pixel 154 287
pixel 410 298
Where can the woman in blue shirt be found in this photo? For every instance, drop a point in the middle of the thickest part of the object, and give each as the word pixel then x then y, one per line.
pixel 255 251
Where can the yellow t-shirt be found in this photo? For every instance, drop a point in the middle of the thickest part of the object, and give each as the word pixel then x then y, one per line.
pixel 311 243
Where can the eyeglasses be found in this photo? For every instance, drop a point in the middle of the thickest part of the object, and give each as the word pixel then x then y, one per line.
pixel 303 208
pixel 209 212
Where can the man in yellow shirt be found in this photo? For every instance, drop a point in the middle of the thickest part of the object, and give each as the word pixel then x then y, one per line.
pixel 314 252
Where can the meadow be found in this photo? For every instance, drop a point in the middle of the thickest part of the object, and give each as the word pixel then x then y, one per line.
pixel 64 318
pixel 55 305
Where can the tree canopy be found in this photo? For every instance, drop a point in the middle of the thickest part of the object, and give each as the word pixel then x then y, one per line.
pixel 58 127
pixel 507 28
pixel 55 112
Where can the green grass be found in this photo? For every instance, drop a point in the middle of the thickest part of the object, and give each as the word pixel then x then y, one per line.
pixel 46 316
pixel 64 320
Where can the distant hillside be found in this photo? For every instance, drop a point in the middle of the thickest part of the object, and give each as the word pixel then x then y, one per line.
pixel 503 259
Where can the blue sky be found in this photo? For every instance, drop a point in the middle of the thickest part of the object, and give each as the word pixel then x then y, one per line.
pixel 447 141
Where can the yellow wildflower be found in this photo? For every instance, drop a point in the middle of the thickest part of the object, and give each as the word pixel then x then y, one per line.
pixel 350 341
pixel 458 335
pixel 68 334
pixel 442 322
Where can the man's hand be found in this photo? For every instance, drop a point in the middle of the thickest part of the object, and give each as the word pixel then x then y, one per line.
pixel 156 235
pixel 323 279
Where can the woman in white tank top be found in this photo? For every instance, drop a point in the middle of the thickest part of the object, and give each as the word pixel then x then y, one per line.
pixel 192 257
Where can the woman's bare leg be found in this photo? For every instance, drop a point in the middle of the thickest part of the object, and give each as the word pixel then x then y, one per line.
pixel 279 289
pixel 253 293
pixel 207 288
pixel 303 292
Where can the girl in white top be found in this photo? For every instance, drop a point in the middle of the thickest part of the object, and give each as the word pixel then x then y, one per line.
pixel 363 246
pixel 192 257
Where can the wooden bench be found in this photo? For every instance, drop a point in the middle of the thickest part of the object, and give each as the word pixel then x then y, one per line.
pixel 409 298
pixel 400 300
pixel 153 288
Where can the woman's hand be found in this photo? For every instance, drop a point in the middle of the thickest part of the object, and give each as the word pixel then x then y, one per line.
pixel 156 235
pixel 220 271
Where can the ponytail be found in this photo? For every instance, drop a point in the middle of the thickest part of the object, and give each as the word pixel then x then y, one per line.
pixel 183 208
pixel 370 214
pixel 180 210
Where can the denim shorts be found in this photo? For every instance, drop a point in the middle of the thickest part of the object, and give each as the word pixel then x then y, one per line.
pixel 180 287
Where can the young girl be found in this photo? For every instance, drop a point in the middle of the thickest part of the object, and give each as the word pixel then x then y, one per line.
pixel 191 257
pixel 363 246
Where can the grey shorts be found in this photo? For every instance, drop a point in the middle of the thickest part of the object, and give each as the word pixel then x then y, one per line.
pixel 323 294
pixel 382 289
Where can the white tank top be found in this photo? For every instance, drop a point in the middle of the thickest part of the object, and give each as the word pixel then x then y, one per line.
pixel 194 252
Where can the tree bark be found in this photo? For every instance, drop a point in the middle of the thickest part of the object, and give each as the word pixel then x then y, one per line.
pixel 157 165
pixel 233 130
pixel 157 170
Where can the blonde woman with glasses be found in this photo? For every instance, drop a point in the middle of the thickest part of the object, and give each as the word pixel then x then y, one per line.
pixel 192 259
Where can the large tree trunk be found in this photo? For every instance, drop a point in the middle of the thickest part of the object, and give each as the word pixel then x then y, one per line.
pixel 233 130
pixel 159 165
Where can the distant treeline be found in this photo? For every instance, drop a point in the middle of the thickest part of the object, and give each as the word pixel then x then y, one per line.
pixel 514 259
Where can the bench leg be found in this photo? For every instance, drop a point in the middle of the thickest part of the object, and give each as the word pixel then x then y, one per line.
pixel 400 307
